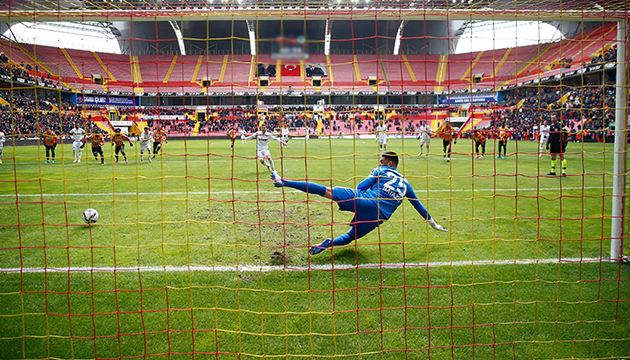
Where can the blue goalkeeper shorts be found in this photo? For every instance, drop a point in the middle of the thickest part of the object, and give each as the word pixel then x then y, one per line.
pixel 366 213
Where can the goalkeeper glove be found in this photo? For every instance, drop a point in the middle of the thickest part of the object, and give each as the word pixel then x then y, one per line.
pixel 436 226
pixel 82 146
pixel 131 144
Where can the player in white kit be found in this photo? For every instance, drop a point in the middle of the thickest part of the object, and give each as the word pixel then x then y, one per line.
pixel 544 137
pixel 262 137
pixel 381 136
pixel 285 134
pixel 146 138
pixel 77 135
pixel 2 140
pixel 424 134
pixel 242 132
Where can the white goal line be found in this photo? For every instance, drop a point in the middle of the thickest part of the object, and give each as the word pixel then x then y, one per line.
pixel 278 191
pixel 326 267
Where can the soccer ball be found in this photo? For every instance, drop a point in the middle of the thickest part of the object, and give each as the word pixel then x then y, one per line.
pixel 90 216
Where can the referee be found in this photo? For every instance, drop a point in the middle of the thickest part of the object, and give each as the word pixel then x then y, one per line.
pixel 558 141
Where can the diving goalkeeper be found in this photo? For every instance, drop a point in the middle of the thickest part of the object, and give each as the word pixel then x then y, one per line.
pixel 373 201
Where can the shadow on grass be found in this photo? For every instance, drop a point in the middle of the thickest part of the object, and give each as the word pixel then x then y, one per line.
pixel 349 256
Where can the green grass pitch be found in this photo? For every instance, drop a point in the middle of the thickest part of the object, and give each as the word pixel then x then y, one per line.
pixel 225 271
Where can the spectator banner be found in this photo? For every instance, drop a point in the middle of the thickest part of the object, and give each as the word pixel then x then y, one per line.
pixel 468 98
pixel 106 100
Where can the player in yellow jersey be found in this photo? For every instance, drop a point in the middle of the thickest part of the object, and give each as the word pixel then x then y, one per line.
pixel 119 139
pixel 448 135
pixel 159 135
pixel 480 142
pixel 50 141
pixel 97 141
pixel 232 135
pixel 503 133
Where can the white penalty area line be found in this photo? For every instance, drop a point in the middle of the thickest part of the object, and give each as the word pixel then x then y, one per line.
pixel 326 267
pixel 278 191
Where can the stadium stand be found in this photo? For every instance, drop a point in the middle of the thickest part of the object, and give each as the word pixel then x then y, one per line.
pixel 233 73
pixel 343 69
pixel 212 67
pixel 413 72
pixel 424 67
pixel 156 69
pixel 14 51
pixel 183 72
pixel 369 65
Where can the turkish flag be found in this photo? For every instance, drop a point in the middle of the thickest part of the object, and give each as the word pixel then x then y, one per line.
pixel 290 70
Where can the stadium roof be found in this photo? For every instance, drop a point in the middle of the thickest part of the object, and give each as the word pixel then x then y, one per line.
pixel 125 10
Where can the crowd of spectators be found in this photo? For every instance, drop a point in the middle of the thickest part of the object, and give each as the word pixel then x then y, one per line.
pixel 607 56
pixel 24 72
pixel 347 118
pixel 585 111
pixel 29 115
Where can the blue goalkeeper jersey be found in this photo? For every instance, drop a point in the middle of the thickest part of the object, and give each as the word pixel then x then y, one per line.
pixel 388 187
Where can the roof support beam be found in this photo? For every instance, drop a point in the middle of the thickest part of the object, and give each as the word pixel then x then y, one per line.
pixel 399 37
pixel 180 38
pixel 327 37
pixel 251 29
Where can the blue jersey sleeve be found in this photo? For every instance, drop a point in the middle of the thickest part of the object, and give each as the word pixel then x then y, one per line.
pixel 413 199
pixel 369 181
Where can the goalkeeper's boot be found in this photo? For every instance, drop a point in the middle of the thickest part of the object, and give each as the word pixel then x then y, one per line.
pixel 277 180
pixel 316 249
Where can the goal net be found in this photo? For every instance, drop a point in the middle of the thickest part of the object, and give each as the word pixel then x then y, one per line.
pixel 218 233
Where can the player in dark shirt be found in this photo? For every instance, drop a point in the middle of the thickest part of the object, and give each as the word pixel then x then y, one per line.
pixel 558 139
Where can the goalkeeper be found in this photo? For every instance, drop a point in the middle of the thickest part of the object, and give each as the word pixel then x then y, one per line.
pixel 373 201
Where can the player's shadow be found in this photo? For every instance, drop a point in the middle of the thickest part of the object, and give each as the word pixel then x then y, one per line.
pixel 349 255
